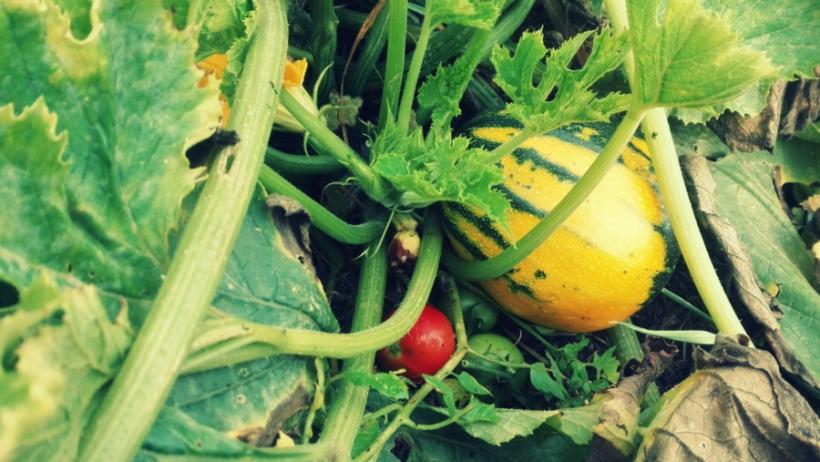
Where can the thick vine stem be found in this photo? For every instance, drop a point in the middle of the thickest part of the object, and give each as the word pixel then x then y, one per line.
pixel 394 65
pixel 348 405
pixel 402 417
pixel 676 199
pixel 370 182
pixel 321 217
pixel 685 225
pixel 269 340
pixel 133 402
pixel 511 256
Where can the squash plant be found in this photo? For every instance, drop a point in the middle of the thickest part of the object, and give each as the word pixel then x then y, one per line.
pixel 132 297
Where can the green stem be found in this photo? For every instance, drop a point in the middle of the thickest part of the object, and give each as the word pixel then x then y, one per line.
pixel 676 199
pixel 348 405
pixel 684 303
pixel 394 66
pixel 139 390
pixel 511 256
pixel 370 182
pixel 272 340
pixel 326 221
pixel 369 54
pixel 448 421
pixel 508 146
pixel 685 226
pixel 403 416
pixel 408 95
pixel 291 164
pixel 323 43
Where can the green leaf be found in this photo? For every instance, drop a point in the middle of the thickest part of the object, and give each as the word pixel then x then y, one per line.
pixel 576 423
pixel 471 384
pixel 541 380
pixel 451 445
pixel 441 93
pixel 438 169
pixel 745 198
pixel 786 31
pixel 798 160
pixel 64 350
pixel 545 100
pixel 222 23
pixel 445 391
pixel 679 48
pixel 606 365
pixel 127 99
pixel 239 397
pixel 479 412
pixel 481 14
pixel 389 385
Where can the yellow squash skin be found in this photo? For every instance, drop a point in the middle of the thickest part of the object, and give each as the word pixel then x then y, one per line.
pixel 605 261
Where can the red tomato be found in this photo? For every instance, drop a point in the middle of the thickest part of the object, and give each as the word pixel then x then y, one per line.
pixel 423 350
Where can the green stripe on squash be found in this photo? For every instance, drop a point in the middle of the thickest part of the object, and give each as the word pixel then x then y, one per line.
pixel 605 262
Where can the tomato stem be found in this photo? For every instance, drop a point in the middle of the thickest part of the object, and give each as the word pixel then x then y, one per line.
pixel 139 390
pixel 402 417
pixel 511 256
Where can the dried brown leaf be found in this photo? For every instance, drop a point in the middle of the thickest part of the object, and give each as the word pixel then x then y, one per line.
pixel 735 407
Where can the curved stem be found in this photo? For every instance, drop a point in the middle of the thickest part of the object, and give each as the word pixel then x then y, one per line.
pixel 348 405
pixel 394 66
pixel 290 164
pixel 270 340
pixel 408 95
pixel 370 182
pixel 139 390
pixel 511 256
pixel 326 221
pixel 685 226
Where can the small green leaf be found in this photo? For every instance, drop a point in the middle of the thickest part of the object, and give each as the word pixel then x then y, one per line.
pixel 389 385
pixel 607 365
pixel 471 385
pixel 445 391
pixel 544 101
pixel 541 380
pixel 481 14
pixel 438 169
pixel 479 412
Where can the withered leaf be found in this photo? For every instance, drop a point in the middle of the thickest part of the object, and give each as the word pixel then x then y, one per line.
pixel 737 407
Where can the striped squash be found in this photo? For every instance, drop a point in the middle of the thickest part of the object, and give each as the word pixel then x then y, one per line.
pixel 610 256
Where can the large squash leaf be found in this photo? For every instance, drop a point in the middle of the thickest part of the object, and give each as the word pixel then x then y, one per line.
pixel 93 175
pixel 738 199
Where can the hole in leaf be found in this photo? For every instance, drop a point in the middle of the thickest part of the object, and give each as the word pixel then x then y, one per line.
pixel 9 295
